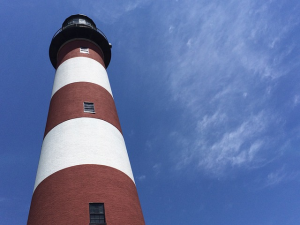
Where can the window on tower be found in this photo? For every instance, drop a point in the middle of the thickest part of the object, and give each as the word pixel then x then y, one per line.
pixel 88 107
pixel 84 50
pixel 97 215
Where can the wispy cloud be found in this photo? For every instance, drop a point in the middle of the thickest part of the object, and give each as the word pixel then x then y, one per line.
pixel 157 168
pixel 224 59
pixel 108 11
pixel 141 178
pixel 279 176
pixel 236 147
pixel 276 177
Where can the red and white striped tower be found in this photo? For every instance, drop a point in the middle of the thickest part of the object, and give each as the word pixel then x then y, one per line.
pixel 84 174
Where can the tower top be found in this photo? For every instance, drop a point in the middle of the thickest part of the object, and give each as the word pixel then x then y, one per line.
pixel 79 26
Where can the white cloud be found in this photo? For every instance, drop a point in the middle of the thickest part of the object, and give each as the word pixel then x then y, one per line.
pixel 141 178
pixel 279 176
pixel 208 121
pixel 108 11
pixel 224 58
pixel 230 150
pixel 296 100
pixel 275 178
pixel 157 168
pixel 216 153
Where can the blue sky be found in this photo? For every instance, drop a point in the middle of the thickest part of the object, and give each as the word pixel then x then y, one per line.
pixel 208 95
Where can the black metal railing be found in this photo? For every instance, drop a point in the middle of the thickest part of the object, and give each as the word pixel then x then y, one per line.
pixel 79 25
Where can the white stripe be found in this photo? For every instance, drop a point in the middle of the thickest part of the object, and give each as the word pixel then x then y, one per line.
pixel 80 69
pixel 82 141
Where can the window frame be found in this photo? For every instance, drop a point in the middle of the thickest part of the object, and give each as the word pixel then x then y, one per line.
pixel 100 214
pixel 84 50
pixel 86 106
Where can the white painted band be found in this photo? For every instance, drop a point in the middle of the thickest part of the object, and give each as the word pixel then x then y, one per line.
pixel 80 69
pixel 82 141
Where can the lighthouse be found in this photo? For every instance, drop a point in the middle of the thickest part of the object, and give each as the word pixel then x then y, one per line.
pixel 84 176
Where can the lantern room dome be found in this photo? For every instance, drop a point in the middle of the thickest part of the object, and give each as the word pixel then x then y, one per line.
pixel 78 19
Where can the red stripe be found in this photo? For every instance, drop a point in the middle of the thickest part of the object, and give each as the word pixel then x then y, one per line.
pixel 72 49
pixel 67 103
pixel 64 197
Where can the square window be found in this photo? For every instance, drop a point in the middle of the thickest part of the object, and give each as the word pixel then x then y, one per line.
pixel 97 215
pixel 84 50
pixel 88 107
